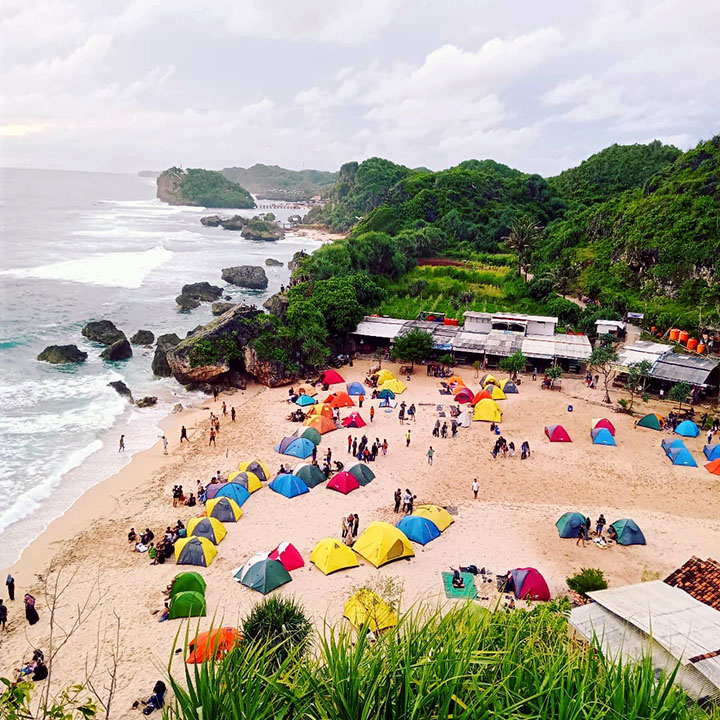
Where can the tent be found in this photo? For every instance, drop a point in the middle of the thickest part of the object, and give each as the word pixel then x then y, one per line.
pixel 628 533
pixel 668 444
pixel 712 452
pixel 383 376
pixel 212 489
pixel 194 551
pixel 297 447
pixel 331 377
pixel 509 387
pixel 602 436
pixel 330 555
pixel 187 604
pixel 557 433
pixel 339 400
pixel 529 584
pixel 287 554
pixel 310 433
pixel 652 421
pixel 234 491
pixel 343 482
pixel 310 474
pixel 249 480
pixel 440 516
pixel 366 608
pixel 224 509
pixel 488 411
pixel 397 386
pixel 362 473
pixel 289 485
pixel 464 395
pixel 488 379
pixel 603 423
pixel 353 420
pixel 255 466
pixel 713 466
pixel 263 575
pixel 382 543
pixel 481 395
pixel 304 400
pixel 569 524
pixel 497 393
pixel 323 409
pixel 418 529
pixel 463 420
pixel 456 380
pixel 321 423
pixel 189 580
pixel 687 428
pixel 212 644
pixel 681 456
pixel 386 394
pixel 355 388
pixel 207 527
pixel 387 402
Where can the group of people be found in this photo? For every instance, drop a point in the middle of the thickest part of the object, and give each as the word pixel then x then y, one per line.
pixel 405 410
pixel 583 535
pixel 406 499
pixel 441 431
pixel 435 370
pixel 591 381
pixel 507 449
pixel 363 450
pixel 350 525
pixel 163 550
pixel 179 497
pixel 34 670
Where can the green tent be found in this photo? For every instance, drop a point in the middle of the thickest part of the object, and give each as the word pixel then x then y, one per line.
pixel 311 475
pixel 652 421
pixel 264 575
pixel 628 532
pixel 569 524
pixel 188 604
pixel 188 581
pixel 362 473
pixel 310 433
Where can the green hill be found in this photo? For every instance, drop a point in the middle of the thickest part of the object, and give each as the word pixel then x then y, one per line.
pixel 271 182
pixel 206 188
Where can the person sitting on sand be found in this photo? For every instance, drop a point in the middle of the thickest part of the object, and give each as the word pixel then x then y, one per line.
pixel 152 553
pixel 191 501
pixel 612 534
pixel 132 536
pixel 165 614
pixel 457 579
pixel 156 700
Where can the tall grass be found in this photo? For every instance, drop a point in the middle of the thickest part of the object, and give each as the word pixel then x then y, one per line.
pixel 509 665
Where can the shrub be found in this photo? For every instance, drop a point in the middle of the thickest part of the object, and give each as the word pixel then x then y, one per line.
pixel 587 580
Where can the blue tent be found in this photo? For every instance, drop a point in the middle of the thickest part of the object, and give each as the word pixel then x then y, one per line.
pixel 303 400
pixel 418 529
pixel 569 524
pixel 668 445
pixel 386 393
pixel 234 491
pixel 687 428
pixel 681 456
pixel 712 452
pixel 602 436
pixel 355 388
pixel 297 447
pixel 289 485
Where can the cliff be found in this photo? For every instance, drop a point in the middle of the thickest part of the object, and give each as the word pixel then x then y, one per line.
pixel 204 188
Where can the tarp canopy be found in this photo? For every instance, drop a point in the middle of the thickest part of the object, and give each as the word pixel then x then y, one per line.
pixel 296 447
pixel 508 386
pixel 363 474
pixel 187 604
pixel 382 543
pixel 249 480
pixel 628 532
pixel 194 551
pixel 310 474
pixel 397 386
pixel 712 452
pixel 207 527
pixel 386 394
pixel 289 485
pixel 418 529
pixel 603 423
pixel 557 433
pixel 234 491
pixel 263 575
pixel 255 466
pixel 353 420
pixel 355 388
pixel 463 420
pixel 339 400
pixel 652 421
pixel 383 376
pixel 530 584
pixel 321 423
pixel 304 400
pixel 569 524
pixel 687 428
pixel 440 516
pixel 602 436
pixel 487 411
pixel 212 644
pixel 713 466
pixel 310 433
pixel 323 409
pixel 343 482
pixel 366 608
pixel 464 395
pixel 330 555
pixel 224 509
pixel 681 456
pixel 497 393
pixel 331 377
pixel 287 554
pixel 189 580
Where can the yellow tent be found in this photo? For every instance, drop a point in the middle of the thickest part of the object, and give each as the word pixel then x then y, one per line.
pixel 194 551
pixel 330 555
pixel 206 527
pixel 256 466
pixel 497 393
pixel 487 379
pixel 321 423
pixel 323 409
pixel 488 410
pixel 440 516
pixel 226 511
pixel 366 607
pixel 383 376
pixel 382 543
pixel 250 481
pixel 397 386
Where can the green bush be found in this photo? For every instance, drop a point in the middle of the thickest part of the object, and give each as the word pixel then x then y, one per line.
pixel 587 580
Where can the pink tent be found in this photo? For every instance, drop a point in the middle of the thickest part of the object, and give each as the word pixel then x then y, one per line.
pixel 557 433
pixel 344 482
pixel 288 556
pixel 353 420
pixel 331 377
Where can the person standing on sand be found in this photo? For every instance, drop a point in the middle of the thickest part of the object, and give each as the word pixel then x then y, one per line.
pixel 216 392
pixel 232 413
pixel 212 437
pixel 165 444
pixel 121 447
pixel 581 536
pixel 354 447
pixel 372 413
pixel 349 444
pixel 183 434
pixel 475 487
pixel 10 582
pixel 599 525
pixel 398 498
pixel 355 526
pixel 407 439
pixel 430 454
pixel 361 399
pixel 384 446
pixel 224 407
pixel 314 452
pixel 3 614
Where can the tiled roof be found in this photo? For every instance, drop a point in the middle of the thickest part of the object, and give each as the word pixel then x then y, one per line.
pixel 699 578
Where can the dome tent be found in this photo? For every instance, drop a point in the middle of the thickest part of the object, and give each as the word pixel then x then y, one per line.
pixel 224 509
pixel 194 551
pixel 321 424
pixel 262 574
pixel 289 485
pixel 310 433
pixel 382 543
pixel 249 480
pixel 355 388
pixel 569 524
pixel 344 482
pixel 628 532
pixel 188 603
pixel 509 387
pixel 256 467
pixel 234 491
pixel 362 473
pixel 652 421
pixel 353 420
pixel 487 411
pixel 367 608
pixel 464 395
pixel 681 456
pixel 603 423
pixel 206 527
pixel 712 452
pixel 557 433
pixel 323 409
pixel 304 400
pixel 602 436
pixel 440 516
pixel 687 428
pixel 295 447
pixel 418 529
pixel 529 584
pixel 212 644
pixel 383 376
pixel 310 474
pixel 189 580
pixel 331 377
pixel 330 555
pixel 287 554
pixel 339 400
pixel 497 393
pixel 397 386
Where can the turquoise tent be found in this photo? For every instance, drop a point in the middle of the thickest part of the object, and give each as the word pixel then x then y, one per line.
pixel 712 452
pixel 297 447
pixel 289 485
pixel 355 388
pixel 687 428
pixel 304 400
pixel 668 445
pixel 234 491
pixel 628 533
pixel 386 394
pixel 602 436
pixel 681 456
pixel 418 529
pixel 363 474
pixel 569 524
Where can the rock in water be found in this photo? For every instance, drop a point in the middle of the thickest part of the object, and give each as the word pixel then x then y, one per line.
pixel 236 222
pixel 103 331
pixel 195 293
pixel 247 276
pixel 147 401
pixel 219 308
pixel 178 408
pixel 122 389
pixel 62 354
pixel 211 220
pixel 159 362
pixel 120 350
pixel 272 262
pixel 143 337
pixel 186 302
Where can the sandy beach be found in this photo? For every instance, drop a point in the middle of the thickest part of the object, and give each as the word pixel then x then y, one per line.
pixel 510 525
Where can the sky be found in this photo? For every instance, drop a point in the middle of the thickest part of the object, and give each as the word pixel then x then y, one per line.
pixel 125 85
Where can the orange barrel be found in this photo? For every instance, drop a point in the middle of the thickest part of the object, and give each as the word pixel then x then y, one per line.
pixel 701 348
pixel 684 335
pixel 692 343
pixel 674 334
pixel 652 330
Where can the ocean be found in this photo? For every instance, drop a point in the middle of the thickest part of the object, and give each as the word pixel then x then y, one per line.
pixel 76 247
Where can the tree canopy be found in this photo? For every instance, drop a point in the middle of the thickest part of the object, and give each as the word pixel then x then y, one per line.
pixel 413 347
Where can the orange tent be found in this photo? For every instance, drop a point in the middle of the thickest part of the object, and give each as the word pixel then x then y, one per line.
pixel 339 400
pixel 482 395
pixel 457 380
pixel 213 643
pixel 322 410
pixel 321 423
pixel 713 467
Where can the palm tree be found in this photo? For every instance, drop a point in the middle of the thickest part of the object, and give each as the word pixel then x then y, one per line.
pixel 562 277
pixel 524 235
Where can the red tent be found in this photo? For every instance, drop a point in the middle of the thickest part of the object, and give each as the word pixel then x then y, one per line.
pixel 331 377
pixel 557 433
pixel 605 423
pixel 288 556
pixel 339 400
pixel 482 395
pixel 344 482
pixel 353 420
pixel 464 395
pixel 213 643
pixel 529 584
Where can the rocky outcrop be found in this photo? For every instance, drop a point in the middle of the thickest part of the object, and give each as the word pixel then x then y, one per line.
pixel 122 389
pixel 236 222
pixel 187 303
pixel 192 360
pixel 169 183
pixel 62 354
pixel 211 220
pixel 103 332
pixel 221 307
pixel 247 276
pixel 297 258
pixel 194 293
pixel 263 228
pixel 277 304
pixel 147 401
pixel 143 337
pixel 267 372
pixel 272 262
pixel 120 350
pixel 159 362
pixel 178 408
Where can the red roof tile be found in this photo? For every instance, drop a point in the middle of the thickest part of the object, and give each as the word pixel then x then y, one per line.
pixel 699 578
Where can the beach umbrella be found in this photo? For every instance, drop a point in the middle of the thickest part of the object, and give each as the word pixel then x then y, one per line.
pixel 330 555
pixel 440 516
pixel 382 543
pixel 418 529
pixel 288 555
pixel 366 608
pixel 256 467
pixel 304 400
pixel 310 474
pixel 289 485
pixel 263 575
pixel 362 473
pixel 212 645
pixel 234 491
pixel 194 551
pixel 189 580
pixel 343 482
pixel 224 509
pixel 249 480
pixel 206 527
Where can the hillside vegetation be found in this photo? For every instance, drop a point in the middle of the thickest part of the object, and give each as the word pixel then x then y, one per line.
pixel 206 188
pixel 271 182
